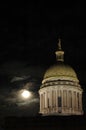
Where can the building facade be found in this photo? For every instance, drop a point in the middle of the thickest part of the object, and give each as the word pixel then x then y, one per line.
pixel 60 92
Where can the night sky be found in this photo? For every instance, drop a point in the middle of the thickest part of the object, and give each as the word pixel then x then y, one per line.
pixel 28 40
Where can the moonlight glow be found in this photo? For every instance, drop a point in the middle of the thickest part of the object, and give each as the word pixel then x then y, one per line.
pixel 25 94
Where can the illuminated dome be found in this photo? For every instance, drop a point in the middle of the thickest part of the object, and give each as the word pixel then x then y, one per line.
pixel 61 71
pixel 60 92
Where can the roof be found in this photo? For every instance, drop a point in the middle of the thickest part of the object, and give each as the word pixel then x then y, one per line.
pixel 61 71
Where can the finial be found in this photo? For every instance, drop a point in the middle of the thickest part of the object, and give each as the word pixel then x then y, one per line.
pixel 59 44
pixel 59 52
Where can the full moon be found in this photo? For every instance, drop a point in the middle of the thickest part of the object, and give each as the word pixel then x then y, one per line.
pixel 25 94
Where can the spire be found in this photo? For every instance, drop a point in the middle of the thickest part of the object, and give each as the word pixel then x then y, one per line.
pixel 59 53
pixel 59 44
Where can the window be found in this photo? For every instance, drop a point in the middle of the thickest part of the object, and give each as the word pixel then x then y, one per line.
pixel 48 102
pixel 59 102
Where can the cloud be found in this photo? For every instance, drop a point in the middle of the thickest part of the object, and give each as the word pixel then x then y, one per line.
pixel 29 102
pixel 13 105
pixel 15 78
pixel 14 96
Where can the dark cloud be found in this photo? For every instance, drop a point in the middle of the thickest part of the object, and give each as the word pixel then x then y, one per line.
pixel 11 102
pixel 17 76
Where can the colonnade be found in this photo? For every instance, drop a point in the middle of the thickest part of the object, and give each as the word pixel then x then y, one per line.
pixel 61 101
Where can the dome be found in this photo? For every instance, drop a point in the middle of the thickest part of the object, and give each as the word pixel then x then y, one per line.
pixel 61 72
pixel 60 92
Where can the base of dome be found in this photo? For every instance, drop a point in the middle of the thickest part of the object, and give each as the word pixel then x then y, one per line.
pixel 62 114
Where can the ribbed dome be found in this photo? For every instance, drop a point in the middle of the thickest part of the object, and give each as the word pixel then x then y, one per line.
pixel 61 71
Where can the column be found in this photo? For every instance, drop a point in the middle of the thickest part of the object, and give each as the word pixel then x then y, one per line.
pixel 53 98
pixel 46 100
pixel 40 102
pixel 50 98
pixel 72 101
pixel 76 102
pixel 67 100
pixel 43 100
pixel 62 98
pixel 80 102
pixel 56 100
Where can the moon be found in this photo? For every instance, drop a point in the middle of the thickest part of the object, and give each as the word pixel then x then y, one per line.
pixel 25 94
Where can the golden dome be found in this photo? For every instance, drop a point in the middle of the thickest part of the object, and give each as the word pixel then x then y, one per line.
pixel 62 72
